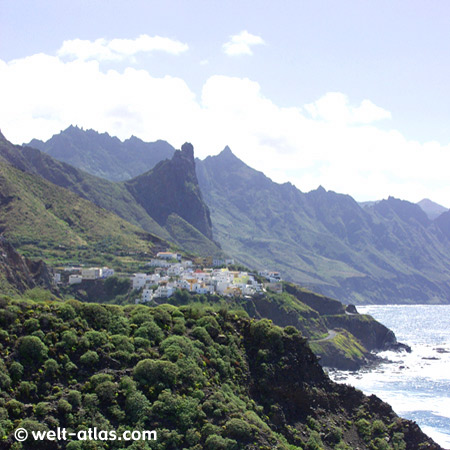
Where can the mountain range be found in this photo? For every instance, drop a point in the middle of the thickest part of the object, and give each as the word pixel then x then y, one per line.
pixel 122 198
pixel 389 251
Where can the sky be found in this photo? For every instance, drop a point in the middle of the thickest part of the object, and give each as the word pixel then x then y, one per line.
pixel 350 95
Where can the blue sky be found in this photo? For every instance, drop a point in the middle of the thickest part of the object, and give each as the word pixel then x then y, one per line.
pixel 352 95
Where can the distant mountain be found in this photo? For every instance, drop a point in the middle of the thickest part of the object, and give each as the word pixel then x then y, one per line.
pixel 368 203
pixel 431 209
pixel 443 223
pixel 103 155
pixel 381 252
pixel 387 252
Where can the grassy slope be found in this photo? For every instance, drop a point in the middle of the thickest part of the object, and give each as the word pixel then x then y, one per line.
pixel 106 194
pixel 40 217
pixel 202 379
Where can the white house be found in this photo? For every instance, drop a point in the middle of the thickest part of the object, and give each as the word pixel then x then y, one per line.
pixel 158 263
pixel 168 255
pixel 75 279
pixel 139 280
pixel 163 292
pixel 175 270
pixel 147 295
pixel 93 273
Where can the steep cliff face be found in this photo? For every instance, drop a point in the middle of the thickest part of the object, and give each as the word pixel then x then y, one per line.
pixel 18 274
pixel 172 188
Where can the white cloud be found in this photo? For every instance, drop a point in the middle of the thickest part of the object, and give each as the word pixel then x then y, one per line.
pixel 335 107
pixel 331 141
pixel 240 44
pixel 118 49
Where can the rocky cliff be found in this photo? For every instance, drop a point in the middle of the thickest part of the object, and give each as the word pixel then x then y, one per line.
pixel 18 274
pixel 172 188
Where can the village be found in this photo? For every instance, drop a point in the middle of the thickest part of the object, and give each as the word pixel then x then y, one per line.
pixel 169 272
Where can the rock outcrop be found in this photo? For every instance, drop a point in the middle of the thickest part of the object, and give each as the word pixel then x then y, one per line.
pixel 172 188
pixel 19 274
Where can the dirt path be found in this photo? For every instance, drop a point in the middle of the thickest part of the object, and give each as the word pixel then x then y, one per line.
pixel 331 335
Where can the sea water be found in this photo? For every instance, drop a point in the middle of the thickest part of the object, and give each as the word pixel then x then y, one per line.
pixel 416 384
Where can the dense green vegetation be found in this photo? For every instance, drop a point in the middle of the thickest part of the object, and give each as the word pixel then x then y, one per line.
pixel 315 321
pixel 202 378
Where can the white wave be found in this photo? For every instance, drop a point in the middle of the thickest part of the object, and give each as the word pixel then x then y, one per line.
pixel 443 439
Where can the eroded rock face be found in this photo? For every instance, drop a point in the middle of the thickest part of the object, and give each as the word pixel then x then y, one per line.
pixel 172 187
pixel 22 273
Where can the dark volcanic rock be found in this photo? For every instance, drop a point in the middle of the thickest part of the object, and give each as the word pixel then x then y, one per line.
pixel 22 273
pixel 172 187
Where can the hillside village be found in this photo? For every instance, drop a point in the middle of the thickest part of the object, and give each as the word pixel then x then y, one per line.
pixel 169 272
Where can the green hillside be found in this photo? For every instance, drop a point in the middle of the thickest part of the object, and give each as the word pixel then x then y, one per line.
pixel 199 378
pixel 106 194
pixel 44 220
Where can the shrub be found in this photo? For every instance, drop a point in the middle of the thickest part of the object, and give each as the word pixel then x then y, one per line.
pixel 16 371
pixel 90 358
pixel 155 372
pixel 66 311
pixel 106 391
pixel 51 367
pixel 42 409
pixel 15 409
pixel 64 407
pixel 149 330
pixel 27 390
pixel 215 442
pixel 238 429
pixel 363 427
pixel 5 381
pixel 31 349
pixel 314 442
pixel 96 338
pixel 69 339
pixel 378 428
pixel 122 343
pixel 137 406
pixel 74 397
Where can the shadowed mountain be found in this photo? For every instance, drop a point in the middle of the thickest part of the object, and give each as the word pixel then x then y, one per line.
pixel 103 155
pixel 172 188
pixel 385 252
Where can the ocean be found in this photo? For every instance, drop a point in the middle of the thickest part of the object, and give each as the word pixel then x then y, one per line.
pixel 416 384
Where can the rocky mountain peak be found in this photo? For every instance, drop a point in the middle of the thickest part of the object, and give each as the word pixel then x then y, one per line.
pixel 188 149
pixel 172 187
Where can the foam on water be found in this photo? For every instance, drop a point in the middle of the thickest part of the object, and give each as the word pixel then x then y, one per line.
pixel 416 384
